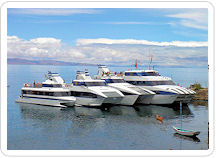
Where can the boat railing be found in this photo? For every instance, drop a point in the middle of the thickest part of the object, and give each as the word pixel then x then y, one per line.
pixel 39 85
pixel 33 85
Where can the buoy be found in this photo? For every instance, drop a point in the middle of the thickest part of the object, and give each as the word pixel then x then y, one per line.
pixel 84 114
pixel 160 118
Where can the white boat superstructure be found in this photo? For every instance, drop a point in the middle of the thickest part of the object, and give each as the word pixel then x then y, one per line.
pixel 91 92
pixel 52 92
pixel 131 92
pixel 166 90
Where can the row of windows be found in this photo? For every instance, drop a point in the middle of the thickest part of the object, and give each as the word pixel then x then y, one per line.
pixel 114 80
pixel 141 74
pixel 75 83
pixel 83 94
pixel 52 85
pixel 58 94
pixel 151 83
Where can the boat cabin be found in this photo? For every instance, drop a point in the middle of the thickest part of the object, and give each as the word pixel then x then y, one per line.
pixel 141 73
pixel 151 83
pixel 89 83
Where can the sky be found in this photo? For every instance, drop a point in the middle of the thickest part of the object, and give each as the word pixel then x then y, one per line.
pixel 110 36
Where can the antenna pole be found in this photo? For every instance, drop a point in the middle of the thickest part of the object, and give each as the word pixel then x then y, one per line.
pixel 181 113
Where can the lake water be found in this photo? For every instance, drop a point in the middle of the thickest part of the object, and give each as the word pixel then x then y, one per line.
pixel 118 127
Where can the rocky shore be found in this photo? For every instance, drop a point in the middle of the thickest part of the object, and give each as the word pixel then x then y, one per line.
pixel 201 96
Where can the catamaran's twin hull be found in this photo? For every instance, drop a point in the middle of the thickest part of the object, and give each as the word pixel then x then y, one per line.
pixel 163 99
pixel 144 99
pixel 156 99
pixel 184 98
pixel 94 102
pixel 129 99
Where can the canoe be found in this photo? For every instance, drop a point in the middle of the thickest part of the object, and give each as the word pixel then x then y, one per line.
pixel 186 132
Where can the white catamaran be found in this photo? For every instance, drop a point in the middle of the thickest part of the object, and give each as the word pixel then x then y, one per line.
pixel 166 90
pixel 131 92
pixel 52 92
pixel 89 92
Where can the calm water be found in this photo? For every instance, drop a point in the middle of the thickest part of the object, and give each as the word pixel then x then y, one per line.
pixel 117 127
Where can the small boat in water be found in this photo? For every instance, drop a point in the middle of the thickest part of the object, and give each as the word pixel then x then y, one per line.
pixel 186 132
pixel 182 131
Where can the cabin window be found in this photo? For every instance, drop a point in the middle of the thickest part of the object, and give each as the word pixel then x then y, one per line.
pixel 152 74
pixel 95 83
pixel 83 94
pixel 58 94
pixel 47 85
pixel 57 85
pixel 52 85
pixel 78 83
pixel 114 81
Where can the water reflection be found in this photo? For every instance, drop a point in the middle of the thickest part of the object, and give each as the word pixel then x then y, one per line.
pixel 168 112
pixel 31 111
pixel 195 139
pixel 110 127
pixel 121 110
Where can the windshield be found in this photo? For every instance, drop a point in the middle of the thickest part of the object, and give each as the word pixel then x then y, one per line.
pixel 114 81
pixel 152 83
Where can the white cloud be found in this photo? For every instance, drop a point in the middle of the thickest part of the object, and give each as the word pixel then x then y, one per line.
pixel 142 42
pixel 128 23
pixel 52 11
pixel 109 51
pixel 195 18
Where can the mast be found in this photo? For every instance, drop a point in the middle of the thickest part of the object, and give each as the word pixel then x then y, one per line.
pixel 181 113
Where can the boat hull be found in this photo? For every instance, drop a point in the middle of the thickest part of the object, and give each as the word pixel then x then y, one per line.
pixel 94 102
pixel 46 101
pixel 186 132
pixel 184 98
pixel 129 99
pixel 144 99
pixel 113 100
pixel 163 99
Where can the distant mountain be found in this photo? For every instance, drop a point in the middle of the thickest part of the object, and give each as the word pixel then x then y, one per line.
pixel 18 61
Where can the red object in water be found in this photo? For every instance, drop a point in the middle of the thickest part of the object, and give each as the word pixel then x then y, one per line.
pixel 160 118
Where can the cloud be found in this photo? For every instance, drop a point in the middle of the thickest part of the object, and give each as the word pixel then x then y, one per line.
pixel 108 51
pixel 128 23
pixel 197 19
pixel 52 11
pixel 142 42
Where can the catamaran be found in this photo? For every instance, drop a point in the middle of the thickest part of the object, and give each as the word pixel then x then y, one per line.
pixel 141 78
pixel 164 87
pixel 52 92
pixel 131 92
pixel 90 92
